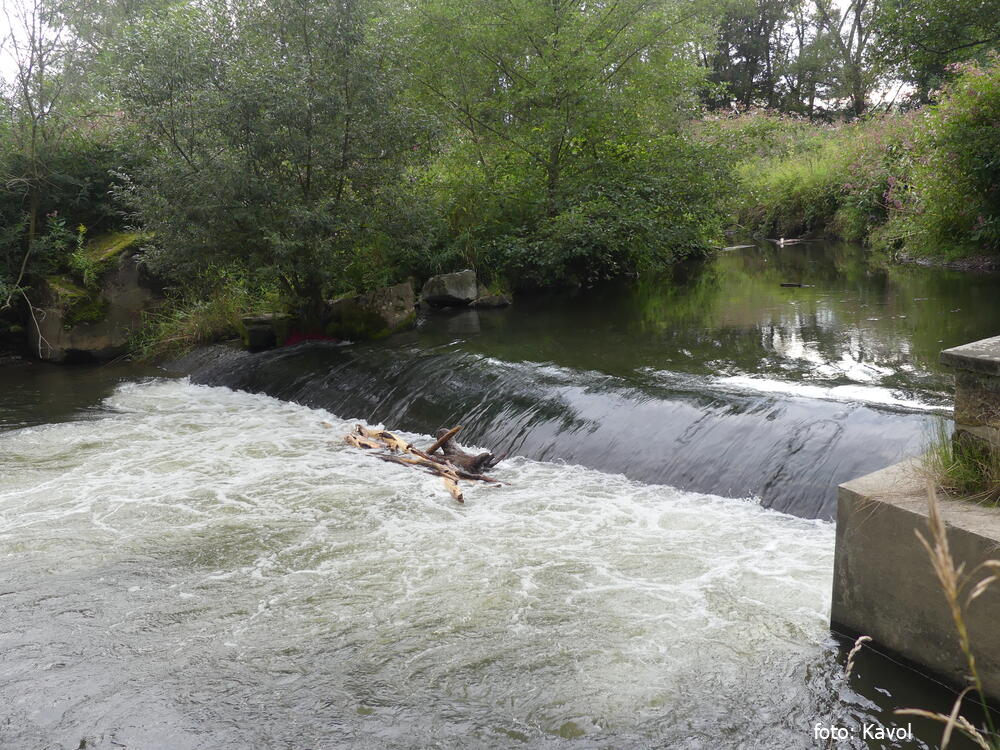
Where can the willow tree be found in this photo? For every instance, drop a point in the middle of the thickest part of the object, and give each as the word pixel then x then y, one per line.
pixel 274 133
pixel 554 102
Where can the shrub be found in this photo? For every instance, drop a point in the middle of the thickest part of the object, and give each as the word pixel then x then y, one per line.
pixel 848 181
pixel 955 193
pixel 626 208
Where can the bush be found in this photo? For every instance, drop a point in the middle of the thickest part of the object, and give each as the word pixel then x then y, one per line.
pixel 626 209
pixel 926 183
pixel 847 181
pixel 78 177
pixel 954 199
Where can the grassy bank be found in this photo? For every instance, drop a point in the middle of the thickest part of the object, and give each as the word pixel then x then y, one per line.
pixel 923 184
pixel 207 314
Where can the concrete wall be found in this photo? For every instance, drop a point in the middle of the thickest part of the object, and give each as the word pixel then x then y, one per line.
pixel 884 585
pixel 977 388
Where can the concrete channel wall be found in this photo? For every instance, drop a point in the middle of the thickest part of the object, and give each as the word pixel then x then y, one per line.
pixel 883 582
pixel 884 585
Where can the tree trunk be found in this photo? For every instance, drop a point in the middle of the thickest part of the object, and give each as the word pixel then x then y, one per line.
pixel 553 170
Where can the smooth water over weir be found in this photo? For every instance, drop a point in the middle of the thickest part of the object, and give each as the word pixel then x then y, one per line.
pixel 204 568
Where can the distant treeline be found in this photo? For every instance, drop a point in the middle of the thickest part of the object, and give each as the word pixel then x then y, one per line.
pixel 303 148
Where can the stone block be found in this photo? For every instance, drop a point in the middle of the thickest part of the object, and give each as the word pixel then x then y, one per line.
pixel 451 289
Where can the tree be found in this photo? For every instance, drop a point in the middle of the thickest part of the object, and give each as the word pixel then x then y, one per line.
pixel 852 31
pixel 536 77
pixel 53 167
pixel 753 47
pixel 921 38
pixel 557 104
pixel 276 136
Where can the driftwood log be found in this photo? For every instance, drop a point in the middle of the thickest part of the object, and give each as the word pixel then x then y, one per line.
pixel 476 464
pixel 452 465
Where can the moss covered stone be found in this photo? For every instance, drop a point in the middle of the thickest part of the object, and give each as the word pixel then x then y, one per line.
pixel 90 309
pixel 64 290
pixel 107 246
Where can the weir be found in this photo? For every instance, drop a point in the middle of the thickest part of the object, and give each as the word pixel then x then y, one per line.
pixel 884 585
pixel 689 431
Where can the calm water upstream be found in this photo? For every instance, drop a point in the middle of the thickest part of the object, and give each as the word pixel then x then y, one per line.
pixel 185 565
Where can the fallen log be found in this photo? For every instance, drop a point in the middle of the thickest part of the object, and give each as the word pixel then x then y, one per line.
pixel 443 437
pixel 474 464
pixel 453 465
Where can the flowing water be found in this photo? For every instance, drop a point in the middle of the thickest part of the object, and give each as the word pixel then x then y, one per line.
pixel 190 566
pixel 722 382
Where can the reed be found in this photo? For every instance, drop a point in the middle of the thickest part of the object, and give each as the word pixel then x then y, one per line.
pixel 965 467
pixel 961 588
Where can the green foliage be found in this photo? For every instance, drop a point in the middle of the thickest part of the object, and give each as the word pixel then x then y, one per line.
pixel 760 135
pixel 806 57
pixel 847 180
pixel 566 165
pixel 57 149
pixel 638 211
pixel 922 38
pixel 205 312
pixel 962 466
pixel 336 146
pixel 91 308
pixel 92 259
pixel 926 184
pixel 277 133
pixel 954 195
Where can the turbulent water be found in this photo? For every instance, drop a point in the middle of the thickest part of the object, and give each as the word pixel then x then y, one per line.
pixel 193 567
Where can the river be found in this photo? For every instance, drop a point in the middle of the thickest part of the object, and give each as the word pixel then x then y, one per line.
pixel 197 562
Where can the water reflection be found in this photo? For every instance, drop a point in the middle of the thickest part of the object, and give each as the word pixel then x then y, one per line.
pixel 849 323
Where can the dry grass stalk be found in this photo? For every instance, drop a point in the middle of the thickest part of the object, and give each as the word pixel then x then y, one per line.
pixel 955 581
pixel 861 641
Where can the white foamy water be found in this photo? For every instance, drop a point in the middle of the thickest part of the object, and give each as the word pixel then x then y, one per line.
pixel 200 568
pixel 853 393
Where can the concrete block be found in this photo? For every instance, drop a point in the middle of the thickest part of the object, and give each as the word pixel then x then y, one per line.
pixel 977 388
pixel 884 585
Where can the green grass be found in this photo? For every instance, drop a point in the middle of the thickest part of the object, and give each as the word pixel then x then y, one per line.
pixel 187 321
pixel 846 181
pixel 963 467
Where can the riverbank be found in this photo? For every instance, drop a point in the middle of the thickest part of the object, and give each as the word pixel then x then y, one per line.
pixel 913 187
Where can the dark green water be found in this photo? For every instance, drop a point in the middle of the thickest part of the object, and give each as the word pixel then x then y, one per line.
pixel 37 393
pixel 851 324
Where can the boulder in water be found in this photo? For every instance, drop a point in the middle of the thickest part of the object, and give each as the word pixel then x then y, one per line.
pixel 373 315
pixel 451 289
